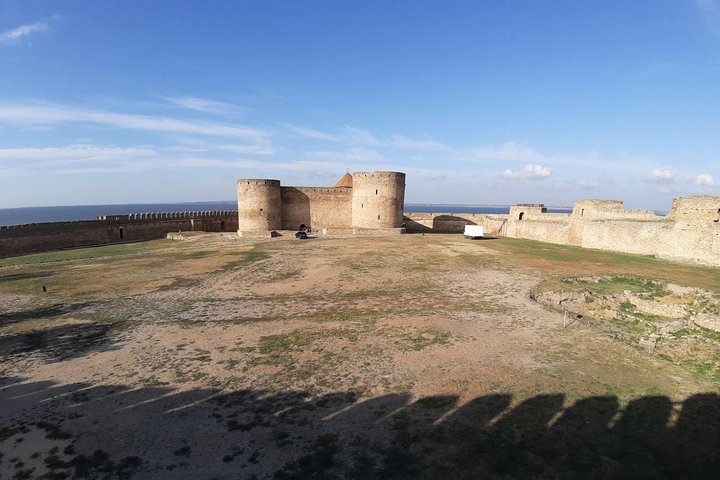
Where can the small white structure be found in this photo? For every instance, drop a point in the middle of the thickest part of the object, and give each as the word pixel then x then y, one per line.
pixel 473 231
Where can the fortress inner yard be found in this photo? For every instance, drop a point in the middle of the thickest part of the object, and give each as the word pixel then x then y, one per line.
pixel 351 356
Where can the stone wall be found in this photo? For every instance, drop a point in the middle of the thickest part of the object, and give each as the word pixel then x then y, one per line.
pixel 690 233
pixel 374 201
pixel 259 205
pixel 316 207
pixel 378 199
pixel 38 237
pixel 453 222
pixel 699 208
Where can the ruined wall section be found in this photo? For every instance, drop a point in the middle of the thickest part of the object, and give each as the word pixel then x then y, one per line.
pixel 39 237
pixel 419 222
pixel 664 239
pixel 610 210
pixel 378 199
pixel 316 208
pixel 259 205
pixel 690 233
pixel 696 209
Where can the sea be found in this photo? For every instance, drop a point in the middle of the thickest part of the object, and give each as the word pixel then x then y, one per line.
pixel 26 215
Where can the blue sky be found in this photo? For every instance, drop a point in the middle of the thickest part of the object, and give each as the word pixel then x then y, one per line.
pixel 478 102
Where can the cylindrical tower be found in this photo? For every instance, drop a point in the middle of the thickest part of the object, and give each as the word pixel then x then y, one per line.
pixel 378 199
pixel 259 205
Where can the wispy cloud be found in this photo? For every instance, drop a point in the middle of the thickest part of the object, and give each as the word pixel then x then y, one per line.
pixel 508 151
pixel 262 148
pixel 74 153
pixel 31 114
pixel 203 104
pixel 710 11
pixel 705 180
pixel 309 132
pixel 351 154
pixel 662 175
pixel 667 176
pixel 200 162
pixel 403 142
pixel 586 184
pixel 25 32
pixel 528 172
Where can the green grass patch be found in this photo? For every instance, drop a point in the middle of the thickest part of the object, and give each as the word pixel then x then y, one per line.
pixel 297 339
pixel 246 259
pixel 427 337
pixel 621 283
pixel 87 253
pixel 700 331
pixel 590 262
pixel 631 326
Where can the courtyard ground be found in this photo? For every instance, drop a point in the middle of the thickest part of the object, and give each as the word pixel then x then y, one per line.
pixel 413 356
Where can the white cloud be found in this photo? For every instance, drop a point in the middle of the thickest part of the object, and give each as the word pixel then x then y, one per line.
pixel 351 154
pixel 661 175
pixel 27 114
pixel 76 152
pixel 359 136
pixel 706 180
pixel 309 132
pixel 586 184
pixel 508 151
pixel 203 104
pixel 667 176
pixel 260 149
pixel 528 172
pixel 24 32
pixel 403 142
pixel 254 164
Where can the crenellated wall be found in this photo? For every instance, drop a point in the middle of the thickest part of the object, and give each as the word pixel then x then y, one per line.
pixel 38 237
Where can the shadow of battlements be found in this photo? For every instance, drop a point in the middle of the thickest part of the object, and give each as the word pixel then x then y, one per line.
pixel 37 313
pixel 120 431
pixel 59 343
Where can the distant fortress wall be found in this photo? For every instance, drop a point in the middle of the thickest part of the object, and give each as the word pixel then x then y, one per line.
pixel 689 233
pixel 364 202
pixel 38 237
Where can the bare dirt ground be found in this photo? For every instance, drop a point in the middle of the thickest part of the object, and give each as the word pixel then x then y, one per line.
pixel 414 356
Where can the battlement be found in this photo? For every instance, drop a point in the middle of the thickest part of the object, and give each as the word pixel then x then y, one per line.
pixel 317 190
pixel 258 181
pixel 168 215
pixel 36 237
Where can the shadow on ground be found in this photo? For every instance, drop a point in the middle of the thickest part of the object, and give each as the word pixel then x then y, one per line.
pixel 115 431
pixel 38 313
pixel 13 277
pixel 59 343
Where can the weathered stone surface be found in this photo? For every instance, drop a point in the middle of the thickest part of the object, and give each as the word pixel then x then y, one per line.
pixel 708 321
pixel 653 307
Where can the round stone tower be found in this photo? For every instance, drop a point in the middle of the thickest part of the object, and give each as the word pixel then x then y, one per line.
pixel 378 199
pixel 259 205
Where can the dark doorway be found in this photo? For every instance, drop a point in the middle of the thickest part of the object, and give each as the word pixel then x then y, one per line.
pixel 121 233
pixel 522 214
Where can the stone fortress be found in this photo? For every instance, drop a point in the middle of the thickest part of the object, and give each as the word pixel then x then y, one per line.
pixel 373 203
pixel 690 232
pixel 364 202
